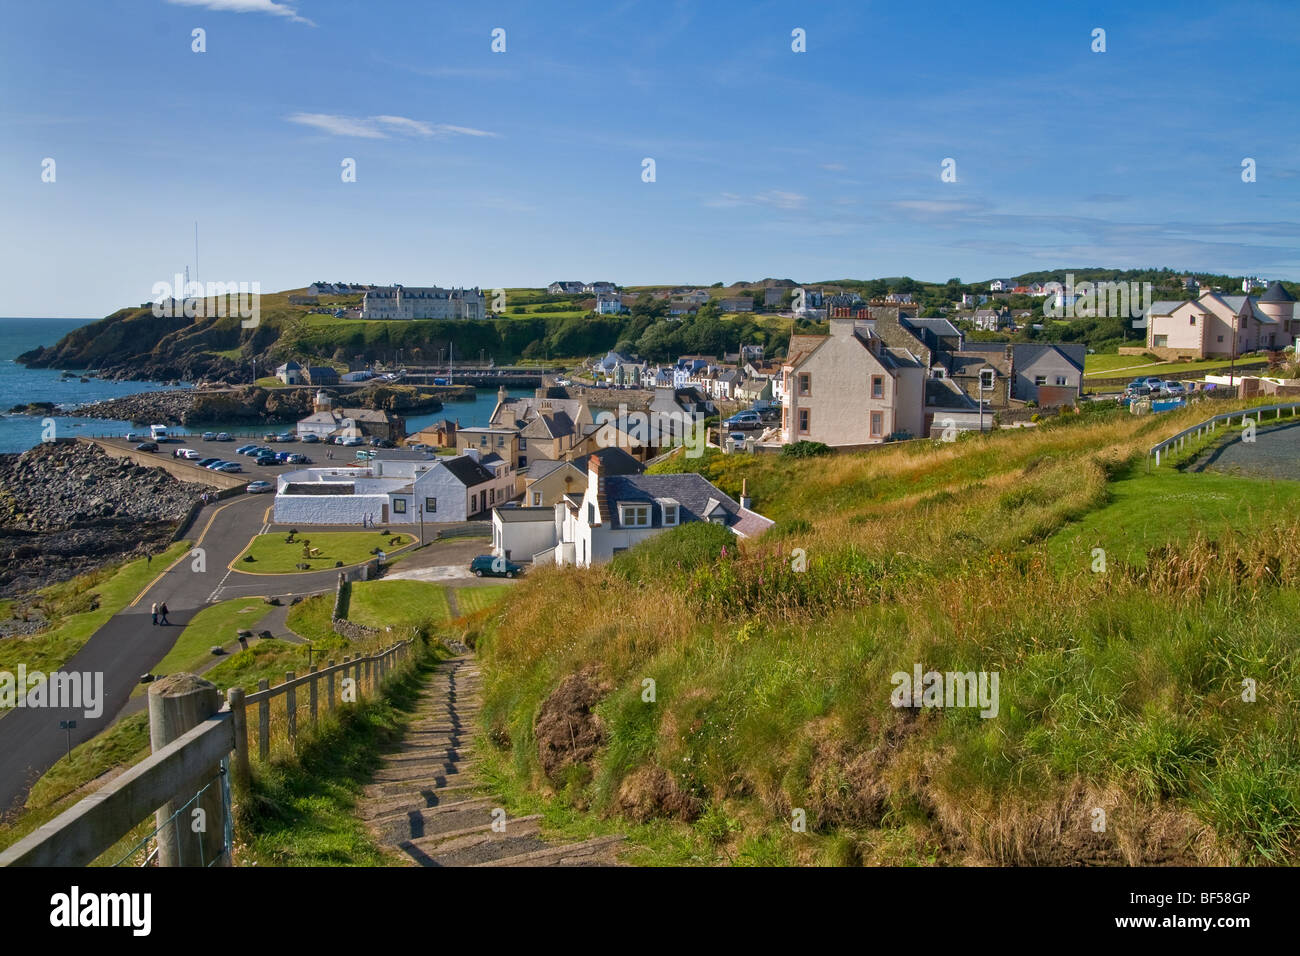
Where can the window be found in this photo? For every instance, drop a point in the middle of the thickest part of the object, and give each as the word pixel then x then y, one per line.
pixel 805 420
pixel 399 506
pixel 1220 338
pixel 537 499
pixel 430 505
pixel 523 461
pixel 634 516
pixel 482 440
pixel 473 503
pixel 877 386
pixel 988 377
pixel 591 514
pixel 501 441
pixel 1191 320
pixel 805 383
pixel 493 499
pixel 1040 380
pixel 523 444
pixel 1060 380
pixel 877 424
pixel 669 508
pixel 1162 341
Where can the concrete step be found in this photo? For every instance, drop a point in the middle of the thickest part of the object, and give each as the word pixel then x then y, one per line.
pixel 521 837
pixel 598 851
pixel 448 751
pixel 419 770
pixel 445 820
pixel 431 781
pixel 374 807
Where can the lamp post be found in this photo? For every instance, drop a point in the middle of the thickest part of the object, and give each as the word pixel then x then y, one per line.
pixel 421 510
pixel 69 726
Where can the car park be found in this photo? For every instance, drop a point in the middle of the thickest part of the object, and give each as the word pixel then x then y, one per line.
pixel 147 446
pixel 494 567
pixel 259 487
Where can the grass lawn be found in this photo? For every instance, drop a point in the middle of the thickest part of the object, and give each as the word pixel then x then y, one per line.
pixel 215 625
pixel 393 603
pixel 79 607
pixel 1170 506
pixel 1114 366
pixel 273 556
pixel 312 617
pixel 270 381
pixel 472 600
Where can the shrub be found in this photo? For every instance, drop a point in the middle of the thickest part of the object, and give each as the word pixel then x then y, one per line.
pixel 805 449
pixel 669 554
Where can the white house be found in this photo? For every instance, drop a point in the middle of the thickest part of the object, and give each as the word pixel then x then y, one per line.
pixel 616 512
pixel 520 533
pixel 290 373
pixel 1001 285
pixel 609 303
pixel 395 491
pixel 428 302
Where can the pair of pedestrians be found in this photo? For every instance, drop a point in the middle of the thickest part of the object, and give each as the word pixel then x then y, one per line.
pixel 160 613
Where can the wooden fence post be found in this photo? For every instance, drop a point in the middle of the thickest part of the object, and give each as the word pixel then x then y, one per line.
pixel 263 722
pixel 291 705
pixel 329 685
pixel 312 694
pixel 178 704
pixel 243 776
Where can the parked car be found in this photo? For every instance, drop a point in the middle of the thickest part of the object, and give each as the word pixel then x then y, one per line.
pixel 216 464
pixel 494 567
pixel 230 467
pixel 209 462
pixel 266 460
pixel 350 442
pixel 297 459
pixel 1153 382
pixel 744 420
pixel 133 436
pixel 147 446
pixel 224 436
pixel 309 439
pixel 283 456
pixel 285 437
pixel 189 454
pixel 737 436
pixel 259 487
pixel 244 449
pixel 1174 389
pixel 209 436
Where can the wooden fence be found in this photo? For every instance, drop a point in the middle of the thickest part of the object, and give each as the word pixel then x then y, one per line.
pixel 193 743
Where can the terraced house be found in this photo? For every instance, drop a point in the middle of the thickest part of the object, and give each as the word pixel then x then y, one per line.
pixel 849 388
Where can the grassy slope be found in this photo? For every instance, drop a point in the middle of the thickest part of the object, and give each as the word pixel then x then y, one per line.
pixel 1120 691
pixel 397 603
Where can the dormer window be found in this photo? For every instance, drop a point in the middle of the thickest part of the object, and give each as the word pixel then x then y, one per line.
pixel 634 515
pixel 671 511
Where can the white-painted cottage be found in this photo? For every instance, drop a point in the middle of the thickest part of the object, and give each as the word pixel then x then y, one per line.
pixel 395 491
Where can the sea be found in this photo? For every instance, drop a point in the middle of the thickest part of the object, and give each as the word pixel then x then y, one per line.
pixel 20 385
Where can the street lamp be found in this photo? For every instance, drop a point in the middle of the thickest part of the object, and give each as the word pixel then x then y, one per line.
pixel 421 510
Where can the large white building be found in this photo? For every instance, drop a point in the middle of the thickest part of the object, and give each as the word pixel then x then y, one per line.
pixel 428 302
pixel 395 491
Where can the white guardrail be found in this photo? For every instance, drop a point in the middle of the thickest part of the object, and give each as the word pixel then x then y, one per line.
pixel 1246 414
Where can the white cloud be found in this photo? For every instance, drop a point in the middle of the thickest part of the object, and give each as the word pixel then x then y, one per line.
pixel 246 6
pixel 771 197
pixel 378 127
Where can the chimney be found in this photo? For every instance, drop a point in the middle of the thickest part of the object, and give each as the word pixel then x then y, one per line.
pixel 745 501
pixel 472 453
pixel 597 480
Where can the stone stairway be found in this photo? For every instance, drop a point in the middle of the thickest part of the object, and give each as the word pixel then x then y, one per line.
pixel 426 802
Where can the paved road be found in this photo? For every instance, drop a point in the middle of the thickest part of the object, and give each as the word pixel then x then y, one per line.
pixel 128 645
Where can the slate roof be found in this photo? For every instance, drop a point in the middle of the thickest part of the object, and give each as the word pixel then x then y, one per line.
pixel 1025 354
pixel 513 515
pixel 613 461
pixel 940 393
pixel 1276 292
pixel 467 471
pixel 695 496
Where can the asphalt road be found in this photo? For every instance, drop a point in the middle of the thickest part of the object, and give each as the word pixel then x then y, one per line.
pixel 129 645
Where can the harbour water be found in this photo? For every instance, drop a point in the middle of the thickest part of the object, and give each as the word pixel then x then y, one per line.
pixel 20 385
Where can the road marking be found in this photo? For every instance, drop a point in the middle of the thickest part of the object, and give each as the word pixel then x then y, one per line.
pixel 199 541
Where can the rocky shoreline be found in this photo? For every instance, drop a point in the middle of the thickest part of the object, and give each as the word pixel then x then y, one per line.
pixel 67 508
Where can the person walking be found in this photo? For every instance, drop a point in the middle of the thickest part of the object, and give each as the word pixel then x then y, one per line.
pixel 162 613
pixel 155 612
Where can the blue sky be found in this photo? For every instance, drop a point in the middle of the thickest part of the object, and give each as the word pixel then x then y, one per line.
pixel 522 167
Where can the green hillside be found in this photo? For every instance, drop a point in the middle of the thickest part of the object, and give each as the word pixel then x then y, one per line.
pixel 1121 735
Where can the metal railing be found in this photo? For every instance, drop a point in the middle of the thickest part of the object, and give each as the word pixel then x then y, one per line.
pixel 1210 424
